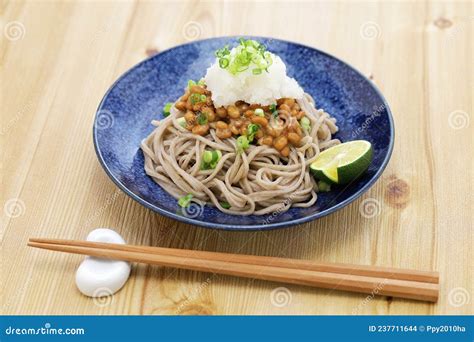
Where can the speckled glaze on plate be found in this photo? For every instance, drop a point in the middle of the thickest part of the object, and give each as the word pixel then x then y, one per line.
pixel 123 120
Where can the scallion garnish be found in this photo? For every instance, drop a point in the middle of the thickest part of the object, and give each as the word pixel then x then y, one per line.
pixel 274 111
pixel 225 205
pixel 216 156
pixel 223 52
pixel 242 143
pixel 195 98
pixel 185 200
pixel 210 159
pixel 182 122
pixel 191 83
pixel 259 112
pixel 201 118
pixel 224 62
pixel 323 186
pixel 247 52
pixel 305 123
pixel 207 156
pixel 251 131
pixel 167 109
pixel 200 83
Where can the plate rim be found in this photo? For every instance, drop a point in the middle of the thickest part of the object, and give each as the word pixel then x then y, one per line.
pixel 246 227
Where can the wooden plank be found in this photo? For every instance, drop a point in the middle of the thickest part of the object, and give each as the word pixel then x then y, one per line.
pixel 420 56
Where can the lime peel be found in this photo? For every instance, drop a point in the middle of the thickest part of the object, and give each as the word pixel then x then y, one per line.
pixel 343 163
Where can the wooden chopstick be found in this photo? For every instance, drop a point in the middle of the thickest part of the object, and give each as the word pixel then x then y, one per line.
pixel 369 271
pixel 355 283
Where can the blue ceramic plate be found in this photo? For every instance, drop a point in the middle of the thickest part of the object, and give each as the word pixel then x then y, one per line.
pixel 124 115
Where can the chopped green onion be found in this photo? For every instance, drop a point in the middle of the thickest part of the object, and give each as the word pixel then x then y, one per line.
pixel 167 109
pixel 242 143
pixel 323 186
pixel 225 205
pixel 247 52
pixel 182 122
pixel 305 123
pixel 268 60
pixel 185 200
pixel 216 156
pixel 195 98
pixel 201 118
pixel 191 83
pixel 210 159
pixel 207 156
pixel 251 131
pixel 259 112
pixel 236 68
pixel 223 52
pixel 274 111
pixel 224 63
pixel 244 57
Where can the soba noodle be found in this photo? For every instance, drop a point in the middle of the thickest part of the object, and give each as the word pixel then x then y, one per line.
pixel 257 181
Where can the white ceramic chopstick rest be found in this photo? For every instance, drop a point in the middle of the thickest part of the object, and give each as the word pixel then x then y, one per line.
pixel 97 277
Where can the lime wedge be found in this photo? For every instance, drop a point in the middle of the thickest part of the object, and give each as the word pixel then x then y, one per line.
pixel 343 163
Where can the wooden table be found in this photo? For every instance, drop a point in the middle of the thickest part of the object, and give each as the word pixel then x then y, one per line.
pixel 58 59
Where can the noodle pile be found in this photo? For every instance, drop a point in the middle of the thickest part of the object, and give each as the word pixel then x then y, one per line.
pixel 257 181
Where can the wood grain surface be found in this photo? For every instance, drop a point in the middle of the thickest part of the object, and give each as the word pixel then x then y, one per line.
pixel 59 58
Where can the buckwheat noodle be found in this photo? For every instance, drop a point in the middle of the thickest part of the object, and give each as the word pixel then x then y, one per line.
pixel 258 181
